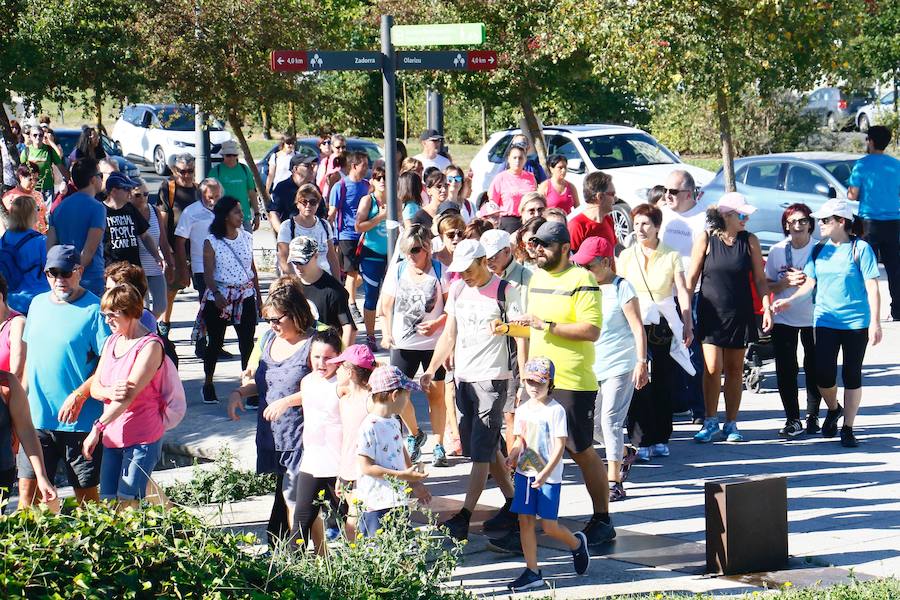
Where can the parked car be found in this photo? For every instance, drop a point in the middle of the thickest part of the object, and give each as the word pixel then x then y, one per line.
pixel 634 159
pixel 870 114
pixel 67 138
pixel 155 134
pixel 772 182
pixel 309 146
pixel 834 107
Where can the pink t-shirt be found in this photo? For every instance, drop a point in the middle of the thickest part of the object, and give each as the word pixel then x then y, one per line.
pixel 563 200
pixel 4 339
pixel 507 190
pixel 142 421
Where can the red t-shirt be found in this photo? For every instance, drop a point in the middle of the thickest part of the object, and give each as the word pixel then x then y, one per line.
pixel 582 227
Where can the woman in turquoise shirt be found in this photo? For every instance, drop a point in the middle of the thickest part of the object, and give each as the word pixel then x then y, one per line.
pixel 843 271
pixel 373 248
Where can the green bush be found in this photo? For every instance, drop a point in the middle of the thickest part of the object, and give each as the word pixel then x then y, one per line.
pixel 224 483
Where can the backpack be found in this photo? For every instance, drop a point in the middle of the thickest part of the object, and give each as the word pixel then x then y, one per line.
pixel 435 264
pixel 10 268
pixel 172 391
pixel 323 222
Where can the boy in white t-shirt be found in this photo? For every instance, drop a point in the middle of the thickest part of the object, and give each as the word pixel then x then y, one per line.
pixel 541 434
pixel 382 452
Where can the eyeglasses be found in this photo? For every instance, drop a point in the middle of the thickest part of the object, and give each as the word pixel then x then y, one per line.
pixel 308 201
pixel 455 178
pixel 674 191
pixel 795 222
pixel 378 178
pixel 57 274
pixel 454 234
pixel 826 220
pixel 325 143
pixel 274 320
pixel 415 250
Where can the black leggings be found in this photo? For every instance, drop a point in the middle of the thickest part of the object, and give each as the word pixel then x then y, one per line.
pixel 784 340
pixel 307 488
pixel 215 331
pixel 853 344
pixel 651 406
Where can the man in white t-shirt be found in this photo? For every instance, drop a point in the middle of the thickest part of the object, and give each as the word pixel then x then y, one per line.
pixel 482 372
pixel 432 141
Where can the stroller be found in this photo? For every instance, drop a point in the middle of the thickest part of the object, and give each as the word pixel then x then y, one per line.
pixel 758 353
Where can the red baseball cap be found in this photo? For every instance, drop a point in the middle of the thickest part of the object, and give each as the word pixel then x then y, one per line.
pixel 591 248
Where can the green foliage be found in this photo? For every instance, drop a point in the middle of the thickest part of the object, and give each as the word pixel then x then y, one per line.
pixel 224 483
pixel 760 125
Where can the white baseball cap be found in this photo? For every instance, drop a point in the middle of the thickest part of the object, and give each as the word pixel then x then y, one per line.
pixel 495 240
pixel 465 254
pixel 836 207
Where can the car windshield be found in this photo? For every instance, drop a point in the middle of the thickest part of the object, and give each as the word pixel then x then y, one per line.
pixel 839 169
pixel 626 150
pixel 181 118
pixel 371 150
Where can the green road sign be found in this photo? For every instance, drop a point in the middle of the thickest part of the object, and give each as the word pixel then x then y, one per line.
pixel 447 34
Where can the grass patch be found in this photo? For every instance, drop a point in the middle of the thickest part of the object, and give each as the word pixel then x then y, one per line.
pixel 710 163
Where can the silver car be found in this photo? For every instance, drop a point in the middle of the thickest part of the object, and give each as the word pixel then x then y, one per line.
pixel 772 182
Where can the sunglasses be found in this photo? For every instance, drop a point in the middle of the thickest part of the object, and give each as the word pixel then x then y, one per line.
pixel 110 315
pixel 535 242
pixel 184 171
pixel 273 320
pixel 57 274
pixel 455 178
pixel 415 250
pixel 454 234
pixel 325 143
pixel 826 220
pixel 378 178
pixel 308 201
pixel 803 221
pixel 674 191
pixel 37 135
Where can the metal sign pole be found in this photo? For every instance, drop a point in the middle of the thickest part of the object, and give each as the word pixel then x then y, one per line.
pixel 389 86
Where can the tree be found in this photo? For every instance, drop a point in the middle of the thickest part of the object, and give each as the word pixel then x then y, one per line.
pixel 718 48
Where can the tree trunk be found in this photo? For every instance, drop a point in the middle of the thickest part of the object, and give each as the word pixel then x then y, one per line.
pixel 725 136
pixel 7 137
pixel 236 124
pixel 292 118
pixel 483 124
pixel 266 123
pixel 534 132
pixel 98 108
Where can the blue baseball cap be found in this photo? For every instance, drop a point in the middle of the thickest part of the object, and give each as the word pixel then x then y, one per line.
pixel 63 257
pixel 117 180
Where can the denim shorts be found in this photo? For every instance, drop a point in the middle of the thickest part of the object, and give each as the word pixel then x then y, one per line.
pixel 125 472
pixel 543 502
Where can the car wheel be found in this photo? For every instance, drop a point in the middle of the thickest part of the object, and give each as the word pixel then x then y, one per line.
pixel 160 166
pixel 863 123
pixel 832 122
pixel 621 216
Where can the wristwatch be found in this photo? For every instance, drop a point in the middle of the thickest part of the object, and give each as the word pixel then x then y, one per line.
pixel 101 427
pixel 548 325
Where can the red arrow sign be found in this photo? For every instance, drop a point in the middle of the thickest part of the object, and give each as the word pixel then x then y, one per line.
pixel 482 60
pixel 289 60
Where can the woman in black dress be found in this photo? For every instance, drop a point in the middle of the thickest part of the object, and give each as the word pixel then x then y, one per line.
pixel 727 256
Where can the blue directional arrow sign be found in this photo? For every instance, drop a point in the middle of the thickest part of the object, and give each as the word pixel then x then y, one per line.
pixel 433 61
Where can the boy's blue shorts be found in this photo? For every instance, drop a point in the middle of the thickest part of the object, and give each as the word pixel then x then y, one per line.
pixel 543 502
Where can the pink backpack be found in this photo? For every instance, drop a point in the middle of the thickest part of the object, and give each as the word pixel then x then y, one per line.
pixel 172 391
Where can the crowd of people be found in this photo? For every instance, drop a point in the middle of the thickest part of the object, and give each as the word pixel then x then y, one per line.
pixel 531 329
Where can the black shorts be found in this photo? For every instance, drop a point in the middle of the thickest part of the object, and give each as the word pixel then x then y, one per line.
pixel 579 408
pixel 349 259
pixel 64 446
pixel 408 361
pixel 480 405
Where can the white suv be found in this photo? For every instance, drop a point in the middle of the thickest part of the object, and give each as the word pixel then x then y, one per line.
pixel 155 134
pixel 634 159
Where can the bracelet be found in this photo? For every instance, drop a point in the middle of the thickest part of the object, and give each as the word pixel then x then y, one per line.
pixel 507 329
pixel 100 426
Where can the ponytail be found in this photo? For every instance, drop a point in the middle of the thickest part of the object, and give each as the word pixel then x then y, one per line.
pixel 715 222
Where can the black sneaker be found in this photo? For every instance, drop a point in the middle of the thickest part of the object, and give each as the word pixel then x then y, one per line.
pixel 354 312
pixel 528 580
pixel 792 428
pixel 848 440
pixel 510 543
pixel 200 349
pixel 503 520
pixel 252 403
pixel 581 558
pixel 829 425
pixel 598 531
pixel 457 526
pixel 209 394
pixel 812 425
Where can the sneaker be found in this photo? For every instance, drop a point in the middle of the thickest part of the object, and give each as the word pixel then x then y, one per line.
pixel 457 526
pixel 616 492
pixel 829 425
pixel 710 431
pixel 414 445
pixel 528 580
pixel 208 393
pixel 581 558
pixel 510 543
pixel 731 433
pixel 848 440
pixel 252 403
pixel 630 457
pixel 599 531
pixel 163 328
pixel 332 533
pixel 200 349
pixel 439 458
pixel 354 312
pixel 371 344
pixel 504 520
pixel 792 428
pixel 643 454
pixel 812 425
pixel 659 450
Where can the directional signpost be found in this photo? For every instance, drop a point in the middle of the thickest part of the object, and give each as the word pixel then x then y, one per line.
pixel 388 62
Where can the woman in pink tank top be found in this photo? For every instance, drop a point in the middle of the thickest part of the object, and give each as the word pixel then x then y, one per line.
pixel 559 192
pixel 128 382
pixel 12 326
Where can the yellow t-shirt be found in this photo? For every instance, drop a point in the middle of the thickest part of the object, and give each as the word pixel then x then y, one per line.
pixel 571 296
pixel 659 272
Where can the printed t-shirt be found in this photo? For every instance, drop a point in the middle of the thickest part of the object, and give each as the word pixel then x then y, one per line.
pixel 581 227
pixel 507 190
pixel 124 226
pixel 70 337
pixel 380 439
pixel 570 296
pixel 45 157
pixel 615 349
pixel 194 226
pixel 479 354
pixel 800 313
pixel 72 219
pixel 841 299
pixel 878 178
pixel 414 302
pixel 321 232
pixel 345 218
pixel 679 231
pixel 540 425
pixel 236 181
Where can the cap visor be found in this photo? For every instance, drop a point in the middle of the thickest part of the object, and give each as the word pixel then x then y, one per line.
pixel 460 265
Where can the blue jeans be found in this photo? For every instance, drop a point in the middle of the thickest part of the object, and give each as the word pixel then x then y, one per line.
pixel 125 472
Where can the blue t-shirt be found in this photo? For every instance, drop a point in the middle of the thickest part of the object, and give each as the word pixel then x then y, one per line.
pixel 614 350
pixel 878 178
pixel 72 219
pixel 31 258
pixel 345 219
pixel 65 342
pixel 841 299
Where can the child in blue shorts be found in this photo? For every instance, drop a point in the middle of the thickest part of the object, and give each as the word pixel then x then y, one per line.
pixel 540 430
